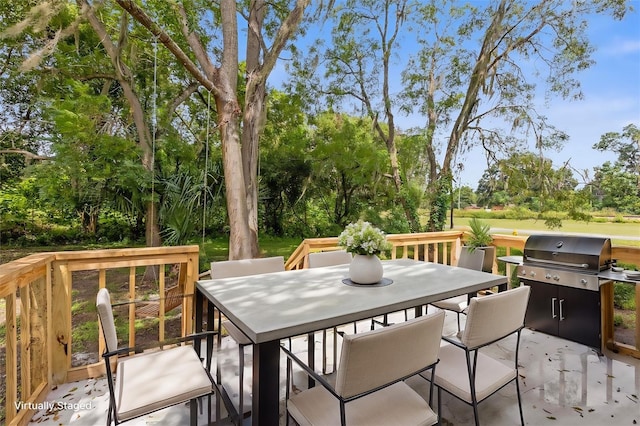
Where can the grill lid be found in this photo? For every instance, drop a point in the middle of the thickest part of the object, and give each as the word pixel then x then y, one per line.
pixel 588 254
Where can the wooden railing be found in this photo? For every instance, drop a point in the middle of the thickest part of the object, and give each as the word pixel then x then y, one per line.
pixel 440 247
pixel 37 291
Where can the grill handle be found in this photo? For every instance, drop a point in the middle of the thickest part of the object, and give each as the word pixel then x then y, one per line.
pixel 555 262
pixel 553 307
pixel 561 314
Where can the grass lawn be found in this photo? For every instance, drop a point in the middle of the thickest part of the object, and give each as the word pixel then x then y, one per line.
pixel 218 249
pixel 617 231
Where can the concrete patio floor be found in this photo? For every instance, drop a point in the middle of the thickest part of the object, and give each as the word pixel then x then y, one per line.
pixel 562 383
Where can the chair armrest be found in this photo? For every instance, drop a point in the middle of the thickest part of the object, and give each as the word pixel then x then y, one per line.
pixel 454 341
pixel 310 371
pixel 141 348
pixel 205 275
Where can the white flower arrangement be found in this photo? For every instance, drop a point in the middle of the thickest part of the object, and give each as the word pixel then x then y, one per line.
pixel 363 238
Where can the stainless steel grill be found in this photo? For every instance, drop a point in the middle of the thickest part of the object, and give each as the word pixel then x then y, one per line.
pixel 566 260
pixel 563 272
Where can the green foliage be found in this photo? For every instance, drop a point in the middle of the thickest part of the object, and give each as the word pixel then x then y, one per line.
pixel 618 320
pixel 82 333
pixel 285 167
pixel 3 328
pixel 464 197
pixel 624 296
pixel 439 199
pixel 349 166
pixel 392 221
pixel 181 206
pixel 480 235
pixel 626 145
pixel 90 164
pixel 615 188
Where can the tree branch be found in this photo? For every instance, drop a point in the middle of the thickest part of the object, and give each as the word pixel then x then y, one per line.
pixel 27 154
pixel 143 19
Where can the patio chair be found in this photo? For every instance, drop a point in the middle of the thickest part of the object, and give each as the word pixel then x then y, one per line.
pixel 150 381
pixel 469 259
pixel 319 260
pixel 470 375
pixel 242 268
pixel 370 386
pixel 329 258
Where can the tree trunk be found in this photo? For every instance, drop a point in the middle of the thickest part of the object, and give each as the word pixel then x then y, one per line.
pixel 253 119
pixel 236 196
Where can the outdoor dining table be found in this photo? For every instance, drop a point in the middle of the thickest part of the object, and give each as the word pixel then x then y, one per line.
pixel 275 306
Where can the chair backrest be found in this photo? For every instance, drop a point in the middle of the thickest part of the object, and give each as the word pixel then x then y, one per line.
pixel 380 357
pixel 246 267
pixel 329 258
pixel 471 259
pixel 105 313
pixel 492 317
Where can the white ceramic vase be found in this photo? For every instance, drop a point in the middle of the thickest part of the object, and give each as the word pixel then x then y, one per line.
pixel 365 269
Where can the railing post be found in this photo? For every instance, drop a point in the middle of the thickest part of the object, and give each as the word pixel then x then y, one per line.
pixel 38 342
pixel 305 255
pixel 60 337
pixel 637 317
pixel 606 312
pixel 11 358
pixel 189 296
pixel 455 250
pixel 25 338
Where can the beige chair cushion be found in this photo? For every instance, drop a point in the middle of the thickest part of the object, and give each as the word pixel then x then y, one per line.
pixel 329 258
pixel 246 267
pixel 455 304
pixel 137 377
pixel 451 373
pixel 494 316
pixel 105 312
pixel 373 359
pixel 397 404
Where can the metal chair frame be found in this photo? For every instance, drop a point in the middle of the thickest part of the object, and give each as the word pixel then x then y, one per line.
pixel 195 338
pixel 472 365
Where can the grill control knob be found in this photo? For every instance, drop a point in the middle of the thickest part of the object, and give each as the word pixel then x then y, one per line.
pixel 556 278
pixel 583 281
pixel 548 276
pixel 533 274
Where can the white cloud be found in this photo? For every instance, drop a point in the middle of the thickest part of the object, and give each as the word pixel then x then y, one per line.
pixel 622 47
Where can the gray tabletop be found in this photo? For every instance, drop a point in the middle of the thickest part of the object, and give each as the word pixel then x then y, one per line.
pixel 273 306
